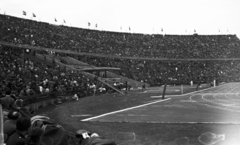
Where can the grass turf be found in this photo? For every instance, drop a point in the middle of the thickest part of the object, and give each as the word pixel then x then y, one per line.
pixel 146 133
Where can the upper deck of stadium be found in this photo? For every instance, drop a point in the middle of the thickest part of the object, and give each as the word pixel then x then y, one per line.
pixel 33 33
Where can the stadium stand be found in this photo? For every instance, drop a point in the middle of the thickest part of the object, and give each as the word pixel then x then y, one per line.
pixel 152 59
pixel 34 33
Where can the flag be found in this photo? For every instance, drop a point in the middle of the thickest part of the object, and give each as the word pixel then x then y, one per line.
pixel 162 29
pixel 55 20
pixel 129 28
pixel 24 13
pixel 64 21
pixel 194 30
pixel 121 28
pixel 89 24
pixel 96 25
pixel 33 15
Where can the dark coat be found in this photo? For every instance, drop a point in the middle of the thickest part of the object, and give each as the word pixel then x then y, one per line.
pixel 16 139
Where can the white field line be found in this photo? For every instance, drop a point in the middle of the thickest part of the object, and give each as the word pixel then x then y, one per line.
pixel 202 96
pixel 237 94
pixel 224 94
pixel 211 105
pixel 224 123
pixel 223 104
pixel 114 112
pixel 195 91
pixel 228 93
pixel 220 107
pixel 216 96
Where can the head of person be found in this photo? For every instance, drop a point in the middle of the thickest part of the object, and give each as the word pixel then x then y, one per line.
pixel 8 92
pixel 23 124
pixel 13 115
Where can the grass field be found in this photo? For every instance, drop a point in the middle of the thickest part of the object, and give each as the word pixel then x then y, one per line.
pixel 199 118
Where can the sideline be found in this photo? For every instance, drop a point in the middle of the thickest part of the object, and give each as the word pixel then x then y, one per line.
pixel 114 112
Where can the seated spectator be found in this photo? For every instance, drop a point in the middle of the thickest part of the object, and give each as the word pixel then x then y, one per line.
pixel 23 125
pixel 9 126
pixel 54 136
pixel 34 136
pixel 23 93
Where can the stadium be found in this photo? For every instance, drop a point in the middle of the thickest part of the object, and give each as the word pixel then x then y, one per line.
pixel 66 85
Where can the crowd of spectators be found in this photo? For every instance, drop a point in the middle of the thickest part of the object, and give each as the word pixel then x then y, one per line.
pixel 154 72
pixel 35 33
pixel 157 72
pixel 21 77
pixel 41 130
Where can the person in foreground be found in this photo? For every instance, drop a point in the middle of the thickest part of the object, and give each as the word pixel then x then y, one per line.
pixel 23 125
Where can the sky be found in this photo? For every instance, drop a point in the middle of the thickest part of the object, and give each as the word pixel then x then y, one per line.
pixel 142 16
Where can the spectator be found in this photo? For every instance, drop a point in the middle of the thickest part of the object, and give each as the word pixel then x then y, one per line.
pixel 54 136
pixel 34 136
pixel 23 124
pixel 10 123
pixel 75 97
pixel 7 102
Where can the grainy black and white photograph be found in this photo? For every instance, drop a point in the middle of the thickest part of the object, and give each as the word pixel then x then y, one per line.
pixel 119 72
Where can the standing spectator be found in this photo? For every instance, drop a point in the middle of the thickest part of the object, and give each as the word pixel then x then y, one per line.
pixel 94 87
pixel 7 102
pixel 75 97
pixel 23 124
pixel 144 87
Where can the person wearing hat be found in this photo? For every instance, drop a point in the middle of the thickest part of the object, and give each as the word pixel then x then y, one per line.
pixel 23 124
